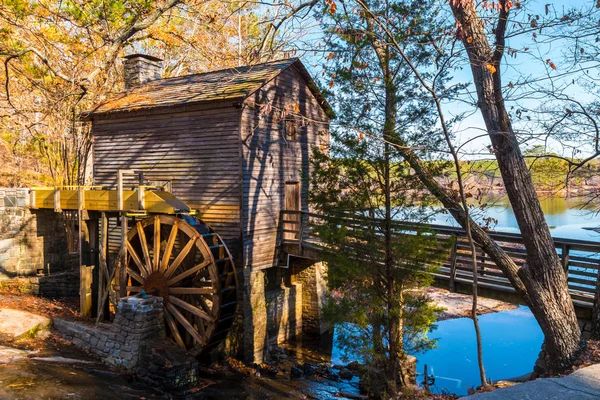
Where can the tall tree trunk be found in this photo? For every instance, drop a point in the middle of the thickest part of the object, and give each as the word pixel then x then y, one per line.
pixel 542 275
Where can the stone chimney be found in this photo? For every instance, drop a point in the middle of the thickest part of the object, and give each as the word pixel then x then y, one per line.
pixel 141 68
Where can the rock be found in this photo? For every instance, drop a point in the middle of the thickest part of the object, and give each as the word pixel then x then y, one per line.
pixel 345 373
pixel 296 372
pixel 9 355
pixel 308 369
pixel 354 366
pixel 17 324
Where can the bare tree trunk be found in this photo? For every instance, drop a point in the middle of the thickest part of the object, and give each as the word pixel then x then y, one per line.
pixel 543 275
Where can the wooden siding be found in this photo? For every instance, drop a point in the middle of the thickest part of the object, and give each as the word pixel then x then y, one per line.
pixel 269 160
pixel 198 150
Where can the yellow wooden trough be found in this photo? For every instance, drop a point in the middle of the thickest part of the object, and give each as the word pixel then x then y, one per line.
pixel 95 199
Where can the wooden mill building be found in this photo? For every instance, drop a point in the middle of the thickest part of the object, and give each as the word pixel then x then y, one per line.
pixel 235 145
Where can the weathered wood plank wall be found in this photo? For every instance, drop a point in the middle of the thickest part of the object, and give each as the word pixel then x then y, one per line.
pixel 198 150
pixel 270 159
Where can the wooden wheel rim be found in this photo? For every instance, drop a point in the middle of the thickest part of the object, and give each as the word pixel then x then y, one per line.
pixel 191 312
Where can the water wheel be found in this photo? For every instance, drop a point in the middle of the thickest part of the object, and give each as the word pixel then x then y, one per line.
pixel 189 266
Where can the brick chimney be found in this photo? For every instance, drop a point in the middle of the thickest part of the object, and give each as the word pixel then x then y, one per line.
pixel 141 68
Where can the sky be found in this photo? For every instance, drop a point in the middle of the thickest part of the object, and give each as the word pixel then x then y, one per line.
pixel 529 63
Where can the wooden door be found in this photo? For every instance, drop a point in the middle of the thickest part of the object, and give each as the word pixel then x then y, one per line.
pixel 292 203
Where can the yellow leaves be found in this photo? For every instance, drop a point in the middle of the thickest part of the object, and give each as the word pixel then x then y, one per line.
pixel 490 68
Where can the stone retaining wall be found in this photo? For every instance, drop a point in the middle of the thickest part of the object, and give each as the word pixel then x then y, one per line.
pixel 33 243
pixel 135 342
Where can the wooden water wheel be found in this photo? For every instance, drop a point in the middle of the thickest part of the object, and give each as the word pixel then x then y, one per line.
pixel 189 266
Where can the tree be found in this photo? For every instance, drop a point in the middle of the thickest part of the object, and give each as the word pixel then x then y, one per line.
pixel 542 282
pixel 375 267
pixel 62 57
pixel 543 277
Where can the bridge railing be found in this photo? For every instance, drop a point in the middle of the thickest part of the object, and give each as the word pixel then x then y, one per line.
pixel 580 259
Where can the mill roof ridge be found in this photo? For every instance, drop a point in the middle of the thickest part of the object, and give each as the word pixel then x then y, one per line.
pixel 223 84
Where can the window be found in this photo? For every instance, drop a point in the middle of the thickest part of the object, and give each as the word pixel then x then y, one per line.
pixel 291 128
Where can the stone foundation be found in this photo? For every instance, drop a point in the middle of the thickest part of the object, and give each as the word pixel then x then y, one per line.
pixel 312 277
pixel 272 311
pixel 33 248
pixel 135 342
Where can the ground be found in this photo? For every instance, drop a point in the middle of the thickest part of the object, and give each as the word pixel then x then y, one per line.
pixel 458 305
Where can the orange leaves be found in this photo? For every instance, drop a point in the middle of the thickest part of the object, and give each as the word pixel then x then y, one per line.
pixel 361 137
pixel 470 39
pixel 551 64
pixel 332 6
pixel 330 56
pixel 490 68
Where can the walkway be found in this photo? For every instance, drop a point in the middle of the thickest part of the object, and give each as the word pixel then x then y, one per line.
pixel 582 384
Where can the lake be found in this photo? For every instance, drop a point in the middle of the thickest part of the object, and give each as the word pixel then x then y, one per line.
pixel 511 339
pixel 566 217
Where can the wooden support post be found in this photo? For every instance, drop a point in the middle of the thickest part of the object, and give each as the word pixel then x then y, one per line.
pixel 141 193
pixel 123 264
pixel 85 290
pixel 32 199
pixel 57 207
pixel 103 275
pixel 451 285
pixel 92 256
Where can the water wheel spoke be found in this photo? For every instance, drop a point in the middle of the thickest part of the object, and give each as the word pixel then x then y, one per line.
pixel 187 306
pixel 144 243
pixel 200 325
pixel 174 330
pixel 134 289
pixel 156 242
pixel 135 275
pixel 192 290
pixel 186 324
pixel 189 272
pixel 203 304
pixel 169 247
pixel 136 259
pixel 180 257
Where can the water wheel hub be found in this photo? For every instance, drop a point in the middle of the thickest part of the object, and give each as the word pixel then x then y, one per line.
pixel 188 265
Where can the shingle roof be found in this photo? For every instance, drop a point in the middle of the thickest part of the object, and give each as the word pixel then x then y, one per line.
pixel 232 83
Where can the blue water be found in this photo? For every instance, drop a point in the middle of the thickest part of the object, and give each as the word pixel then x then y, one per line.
pixel 511 342
pixel 566 217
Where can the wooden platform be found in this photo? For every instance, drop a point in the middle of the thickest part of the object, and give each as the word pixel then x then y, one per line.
pixel 579 258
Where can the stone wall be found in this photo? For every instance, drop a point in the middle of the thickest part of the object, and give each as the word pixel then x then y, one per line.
pixel 284 313
pixel 34 258
pixel 272 313
pixel 312 277
pixel 135 342
pixel 32 242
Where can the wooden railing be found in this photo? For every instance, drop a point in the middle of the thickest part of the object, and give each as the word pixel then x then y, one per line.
pixel 580 258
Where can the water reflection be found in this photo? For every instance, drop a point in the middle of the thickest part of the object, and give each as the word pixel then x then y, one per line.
pixel 511 342
pixel 566 217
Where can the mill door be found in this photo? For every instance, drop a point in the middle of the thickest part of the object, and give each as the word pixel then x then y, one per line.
pixel 292 203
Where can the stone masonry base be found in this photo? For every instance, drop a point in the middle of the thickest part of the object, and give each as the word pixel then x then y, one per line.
pixel 135 342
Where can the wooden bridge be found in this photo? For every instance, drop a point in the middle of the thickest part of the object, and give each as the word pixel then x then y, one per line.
pixel 580 259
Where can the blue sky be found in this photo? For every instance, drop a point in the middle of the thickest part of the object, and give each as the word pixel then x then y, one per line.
pixel 528 64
